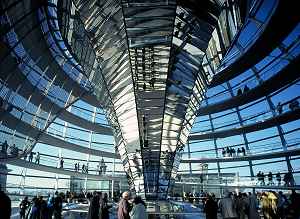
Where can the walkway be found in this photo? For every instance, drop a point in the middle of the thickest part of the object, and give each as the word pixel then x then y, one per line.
pixel 284 77
pixel 28 130
pixel 44 168
pixel 266 187
pixel 264 124
pixel 277 29
pixel 36 97
pixel 40 51
pixel 276 154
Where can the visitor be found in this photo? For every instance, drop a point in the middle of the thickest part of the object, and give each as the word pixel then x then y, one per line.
pixel 123 206
pixel 270 179
pixel 61 162
pixel 87 168
pixel 253 206
pixel 43 208
pixel 239 151
pixel 139 209
pixel 269 205
pixel 152 82
pixel 83 168
pixel 233 152
pixel 57 206
pixel 294 209
pixel 223 152
pixel 104 169
pixel 278 178
pixel 14 150
pixel 37 158
pixel 50 206
pixel 227 206
pixel 31 156
pixel 99 169
pixel 25 156
pixel 211 207
pixel 230 152
pixel 76 167
pixel 227 151
pixel 279 108
pixel 93 212
pixel 281 204
pixel 239 92
pixel 258 176
pixel 102 166
pixel 262 178
pixel 5 206
pixel 246 89
pixel 104 207
pixel 34 211
pixel 242 206
pixel 23 207
pixel 4 147
pixel 243 151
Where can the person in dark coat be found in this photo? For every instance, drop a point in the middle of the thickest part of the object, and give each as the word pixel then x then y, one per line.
pixel 35 209
pixel 94 206
pixel 23 207
pixel 57 206
pixel 104 207
pixel 43 208
pixel 123 208
pixel 5 205
pixel 211 208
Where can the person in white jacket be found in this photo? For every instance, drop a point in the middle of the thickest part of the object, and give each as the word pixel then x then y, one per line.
pixel 139 209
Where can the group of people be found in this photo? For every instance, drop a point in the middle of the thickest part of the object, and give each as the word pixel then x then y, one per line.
pixel 31 155
pixel 40 208
pixel 13 149
pixel 127 209
pixel 101 167
pixel 231 152
pixel 293 105
pixel 136 209
pixel 99 207
pixel 84 168
pixel 238 206
pixel 280 206
pixel 38 157
pixel 240 91
pixel 288 179
pixel 272 205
